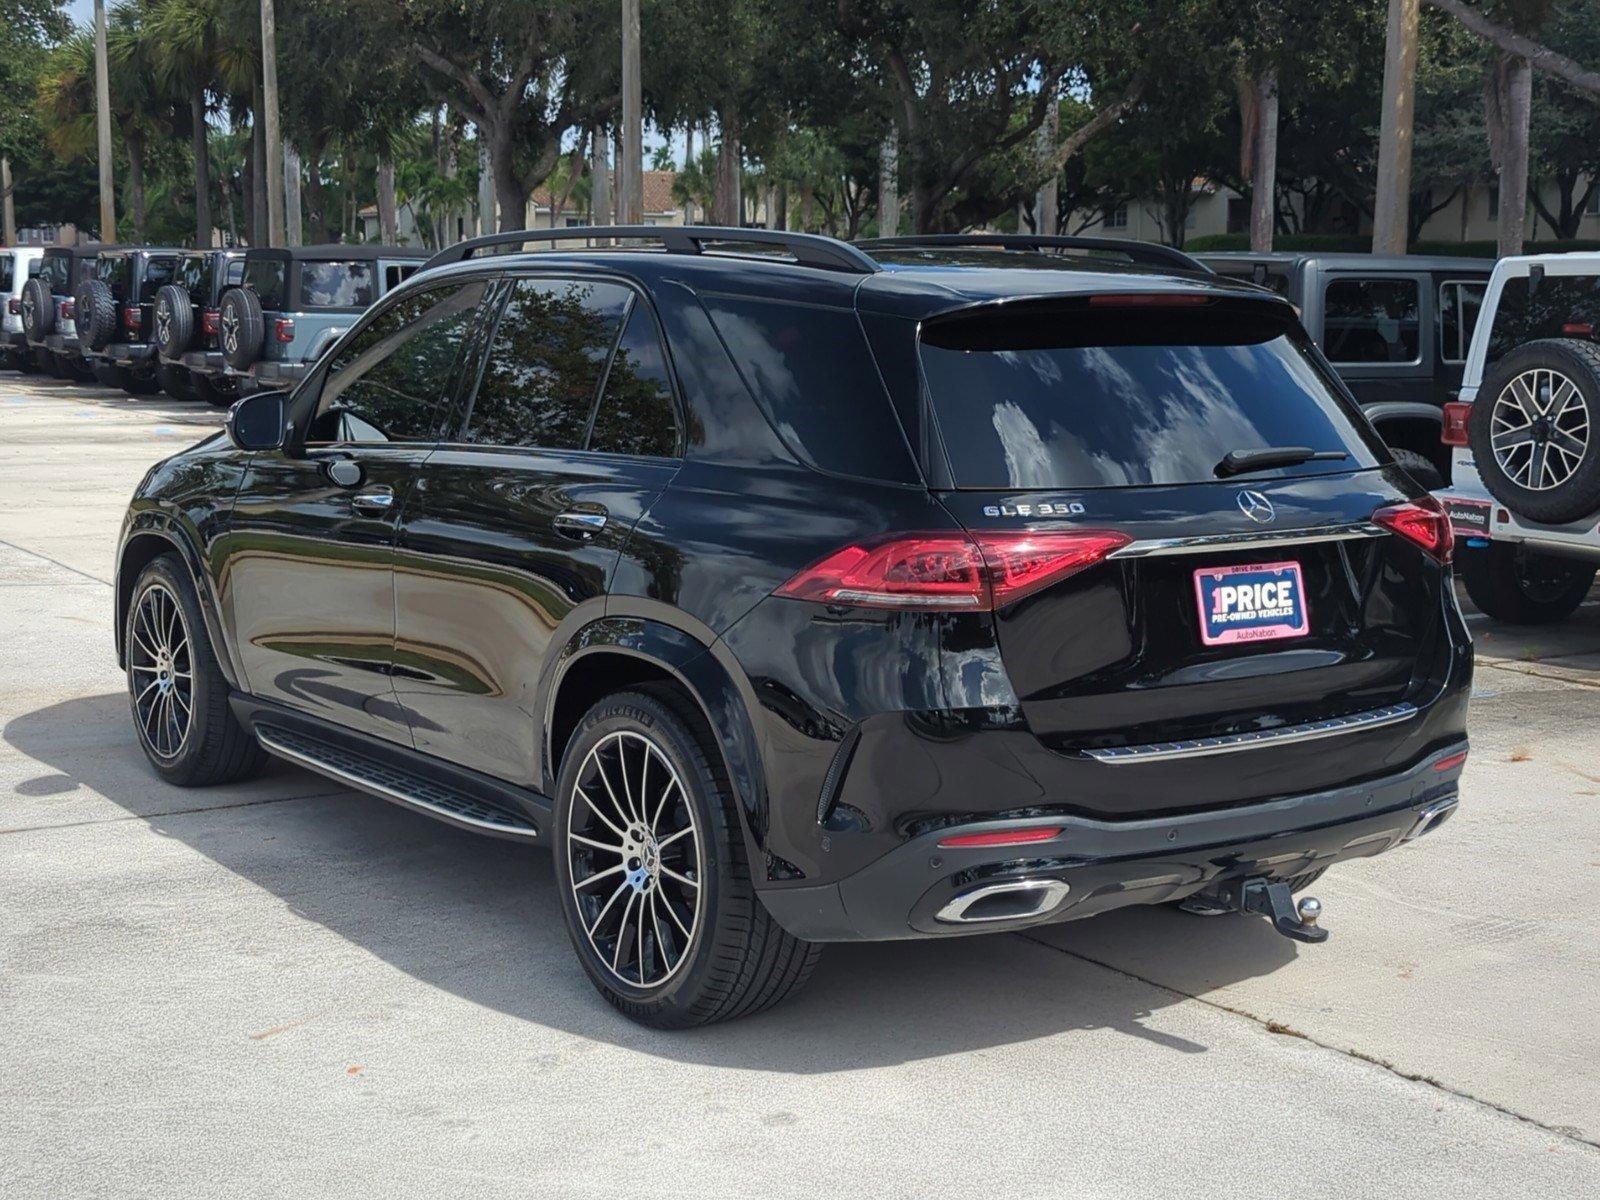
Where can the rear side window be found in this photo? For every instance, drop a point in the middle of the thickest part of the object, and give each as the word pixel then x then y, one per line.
pixel 390 382
pixel 1560 306
pixel 157 273
pixel 194 276
pixel 1372 321
pixel 811 371
pixel 265 277
pixel 1040 397
pixel 337 284
pixel 56 271
pixel 1460 302
pixel 544 368
pixel 115 273
pixel 636 414
pixel 8 273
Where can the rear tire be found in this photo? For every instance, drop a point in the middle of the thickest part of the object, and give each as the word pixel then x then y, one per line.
pixel 725 956
pixel 215 394
pixel 110 375
pixel 1420 468
pixel 178 693
pixel 1524 587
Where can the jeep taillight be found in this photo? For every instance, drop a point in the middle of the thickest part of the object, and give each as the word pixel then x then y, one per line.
pixel 209 322
pixel 1456 418
pixel 14 307
pixel 130 317
pixel 1422 522
pixel 283 330
pixel 68 308
pixel 950 571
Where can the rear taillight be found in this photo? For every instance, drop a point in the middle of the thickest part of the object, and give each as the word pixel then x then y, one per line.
pixel 1451 762
pixel 1578 329
pixel 209 322
pixel 950 571
pixel 130 317
pixel 1456 417
pixel 1422 522
pixel 1001 837
pixel 283 329
pixel 68 309
pixel 14 307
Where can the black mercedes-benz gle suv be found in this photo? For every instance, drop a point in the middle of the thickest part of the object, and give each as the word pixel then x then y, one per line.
pixel 796 591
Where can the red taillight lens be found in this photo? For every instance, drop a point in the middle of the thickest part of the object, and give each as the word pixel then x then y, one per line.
pixel 1423 522
pixel 1450 763
pixel 209 322
pixel 1578 329
pixel 1456 417
pixel 1149 300
pixel 14 307
pixel 950 571
pixel 283 329
pixel 1001 837
pixel 130 316
pixel 68 308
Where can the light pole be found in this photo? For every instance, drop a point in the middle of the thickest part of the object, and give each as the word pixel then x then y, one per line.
pixel 102 121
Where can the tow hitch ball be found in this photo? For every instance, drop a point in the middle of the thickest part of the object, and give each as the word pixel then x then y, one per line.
pixel 1274 901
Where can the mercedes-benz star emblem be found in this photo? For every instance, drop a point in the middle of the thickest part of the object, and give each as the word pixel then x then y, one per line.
pixel 1257 507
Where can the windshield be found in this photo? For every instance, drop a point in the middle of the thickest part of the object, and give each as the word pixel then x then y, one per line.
pixel 336 284
pixel 1063 396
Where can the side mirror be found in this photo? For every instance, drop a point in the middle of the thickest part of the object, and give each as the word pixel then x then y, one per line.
pixel 259 421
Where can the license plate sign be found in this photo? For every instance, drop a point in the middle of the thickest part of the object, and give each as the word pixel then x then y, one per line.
pixel 1255 603
pixel 1468 516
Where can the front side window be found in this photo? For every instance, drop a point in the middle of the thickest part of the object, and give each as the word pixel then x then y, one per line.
pixel 265 277
pixel 1053 396
pixel 390 383
pixel 1372 321
pixel 337 284
pixel 636 414
pixel 544 369
pixel 1459 305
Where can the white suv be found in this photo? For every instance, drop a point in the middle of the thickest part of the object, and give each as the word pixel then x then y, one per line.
pixel 1525 492
pixel 17 264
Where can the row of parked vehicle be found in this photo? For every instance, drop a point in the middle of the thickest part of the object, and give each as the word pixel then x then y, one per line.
pixel 198 324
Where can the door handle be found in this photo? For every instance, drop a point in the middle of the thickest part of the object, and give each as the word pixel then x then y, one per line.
pixel 581 524
pixel 376 501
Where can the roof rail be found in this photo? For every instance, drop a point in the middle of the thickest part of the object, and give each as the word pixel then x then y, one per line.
pixel 807 249
pixel 1147 253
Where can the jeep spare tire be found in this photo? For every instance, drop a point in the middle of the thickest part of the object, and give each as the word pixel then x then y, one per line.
pixel 1534 433
pixel 38 310
pixel 174 314
pixel 240 327
pixel 96 314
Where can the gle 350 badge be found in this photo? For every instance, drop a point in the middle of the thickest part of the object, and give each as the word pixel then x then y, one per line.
pixel 1254 603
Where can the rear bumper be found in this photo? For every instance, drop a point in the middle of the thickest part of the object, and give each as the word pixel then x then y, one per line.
pixel 1477 515
pixel 131 354
pixel 1106 865
pixel 17 342
pixel 62 343
pixel 267 373
pixel 205 362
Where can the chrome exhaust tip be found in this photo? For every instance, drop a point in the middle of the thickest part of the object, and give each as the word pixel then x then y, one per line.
pixel 1013 901
pixel 1430 818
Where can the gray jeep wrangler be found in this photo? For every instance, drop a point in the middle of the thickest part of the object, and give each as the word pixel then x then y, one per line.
pixel 48 307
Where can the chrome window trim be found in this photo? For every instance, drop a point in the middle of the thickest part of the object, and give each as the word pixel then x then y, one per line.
pixel 1150 547
pixel 1231 743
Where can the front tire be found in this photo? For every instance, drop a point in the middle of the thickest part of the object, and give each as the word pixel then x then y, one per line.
pixel 178 693
pixel 651 867
pixel 1525 587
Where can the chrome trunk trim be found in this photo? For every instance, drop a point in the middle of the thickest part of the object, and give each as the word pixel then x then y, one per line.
pixel 1229 743
pixel 1151 547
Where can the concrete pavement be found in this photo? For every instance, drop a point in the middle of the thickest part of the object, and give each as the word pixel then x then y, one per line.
pixel 285 989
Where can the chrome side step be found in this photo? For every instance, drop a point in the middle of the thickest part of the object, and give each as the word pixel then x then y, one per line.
pixel 1229 743
pixel 368 774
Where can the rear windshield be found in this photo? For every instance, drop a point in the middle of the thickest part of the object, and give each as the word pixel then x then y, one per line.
pixel 337 284
pixel 56 272
pixel 1063 396
pixel 195 273
pixel 265 277
pixel 115 274
pixel 1560 306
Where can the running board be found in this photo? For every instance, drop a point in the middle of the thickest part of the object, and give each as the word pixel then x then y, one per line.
pixel 368 774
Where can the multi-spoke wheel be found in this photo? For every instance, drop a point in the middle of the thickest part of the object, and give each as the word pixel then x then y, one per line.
pixel 1540 429
pixel 1525 587
pixel 655 883
pixel 177 692
pixel 162 669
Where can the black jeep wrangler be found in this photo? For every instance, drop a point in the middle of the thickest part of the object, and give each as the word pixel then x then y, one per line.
pixel 116 315
pixel 187 326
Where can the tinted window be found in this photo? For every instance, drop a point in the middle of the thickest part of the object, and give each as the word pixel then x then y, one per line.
pixel 195 274
pixel 115 274
pixel 265 277
pixel 1561 306
pixel 8 273
pixel 157 272
pixel 636 414
pixel 336 284
pixel 810 370
pixel 397 273
pixel 1046 399
pixel 235 273
pixel 387 384
pixel 544 368
pixel 56 271
pixel 1459 305
pixel 1372 321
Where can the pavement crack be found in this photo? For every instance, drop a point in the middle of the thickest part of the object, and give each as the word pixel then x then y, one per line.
pixel 54 562
pixel 176 812
pixel 1280 1029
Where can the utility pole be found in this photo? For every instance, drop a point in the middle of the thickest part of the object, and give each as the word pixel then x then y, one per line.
pixel 102 121
pixel 8 208
pixel 1391 213
pixel 630 171
pixel 274 147
pixel 293 230
pixel 889 183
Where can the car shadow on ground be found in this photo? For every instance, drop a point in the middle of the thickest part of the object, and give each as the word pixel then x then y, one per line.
pixel 96 395
pixel 479 918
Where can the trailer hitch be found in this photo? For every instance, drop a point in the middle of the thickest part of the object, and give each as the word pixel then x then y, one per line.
pixel 1275 902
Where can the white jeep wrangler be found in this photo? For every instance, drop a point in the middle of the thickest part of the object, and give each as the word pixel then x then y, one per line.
pixel 1525 490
